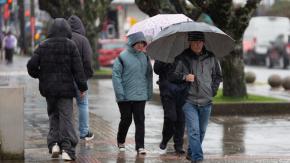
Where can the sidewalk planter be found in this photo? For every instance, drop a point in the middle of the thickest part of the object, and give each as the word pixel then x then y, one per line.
pixel 275 81
pixel 11 123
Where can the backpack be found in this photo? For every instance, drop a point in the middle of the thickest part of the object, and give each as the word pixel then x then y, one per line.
pixel 122 63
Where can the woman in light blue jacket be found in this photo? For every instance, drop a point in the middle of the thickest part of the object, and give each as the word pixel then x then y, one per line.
pixel 132 81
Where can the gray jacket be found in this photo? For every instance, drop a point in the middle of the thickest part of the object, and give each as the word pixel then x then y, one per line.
pixel 208 75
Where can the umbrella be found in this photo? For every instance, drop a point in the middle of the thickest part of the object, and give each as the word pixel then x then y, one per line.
pixel 171 41
pixel 153 25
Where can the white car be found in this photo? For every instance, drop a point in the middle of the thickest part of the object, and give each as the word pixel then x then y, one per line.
pixel 259 34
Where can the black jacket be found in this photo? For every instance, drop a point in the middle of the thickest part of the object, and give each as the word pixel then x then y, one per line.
pixel 83 44
pixel 57 63
pixel 168 87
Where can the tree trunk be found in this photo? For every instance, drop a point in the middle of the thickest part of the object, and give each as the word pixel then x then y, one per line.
pixel 234 84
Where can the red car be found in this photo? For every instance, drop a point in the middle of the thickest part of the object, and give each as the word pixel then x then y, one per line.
pixel 110 50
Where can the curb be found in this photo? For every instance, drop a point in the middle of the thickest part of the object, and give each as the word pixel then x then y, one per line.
pixel 251 109
pixel 245 109
pixel 96 76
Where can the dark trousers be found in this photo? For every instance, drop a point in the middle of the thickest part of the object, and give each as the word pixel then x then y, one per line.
pixel 127 109
pixel 174 121
pixel 61 128
pixel 9 55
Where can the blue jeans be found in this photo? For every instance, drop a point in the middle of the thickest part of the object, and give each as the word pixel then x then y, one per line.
pixel 196 121
pixel 83 105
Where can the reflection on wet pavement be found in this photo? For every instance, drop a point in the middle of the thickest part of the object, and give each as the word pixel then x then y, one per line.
pixel 226 136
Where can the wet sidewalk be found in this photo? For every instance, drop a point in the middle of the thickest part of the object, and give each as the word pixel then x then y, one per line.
pixel 230 139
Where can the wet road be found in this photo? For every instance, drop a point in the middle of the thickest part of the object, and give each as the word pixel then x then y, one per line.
pixel 228 139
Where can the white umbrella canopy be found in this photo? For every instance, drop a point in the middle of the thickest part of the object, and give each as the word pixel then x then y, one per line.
pixel 153 25
pixel 171 41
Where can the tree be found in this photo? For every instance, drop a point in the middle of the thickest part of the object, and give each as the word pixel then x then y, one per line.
pixel 231 19
pixel 89 11
pixel 280 8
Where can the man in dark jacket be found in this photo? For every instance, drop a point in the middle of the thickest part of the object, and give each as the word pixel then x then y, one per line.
pixel 172 102
pixel 199 68
pixel 85 50
pixel 57 64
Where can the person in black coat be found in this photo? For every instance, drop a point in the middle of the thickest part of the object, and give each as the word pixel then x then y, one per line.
pixel 172 102
pixel 57 64
pixel 85 50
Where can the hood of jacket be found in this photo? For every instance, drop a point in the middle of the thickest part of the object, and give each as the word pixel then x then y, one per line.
pixel 77 25
pixel 59 28
pixel 136 37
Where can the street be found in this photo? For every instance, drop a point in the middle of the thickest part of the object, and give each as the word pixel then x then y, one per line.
pixel 263 73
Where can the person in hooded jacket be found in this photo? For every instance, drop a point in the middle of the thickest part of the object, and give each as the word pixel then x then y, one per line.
pixel 199 69
pixel 172 102
pixel 132 82
pixel 57 65
pixel 85 50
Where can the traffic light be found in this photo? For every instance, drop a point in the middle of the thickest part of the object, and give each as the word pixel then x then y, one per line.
pixel 10 4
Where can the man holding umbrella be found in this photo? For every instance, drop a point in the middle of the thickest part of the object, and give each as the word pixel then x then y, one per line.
pixel 199 69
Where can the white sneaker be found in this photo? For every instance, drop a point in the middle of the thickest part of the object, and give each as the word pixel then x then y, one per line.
pixel 141 151
pixel 88 137
pixel 55 151
pixel 121 147
pixel 65 156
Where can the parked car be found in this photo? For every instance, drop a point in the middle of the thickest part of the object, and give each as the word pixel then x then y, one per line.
pixel 110 49
pixel 259 34
pixel 279 53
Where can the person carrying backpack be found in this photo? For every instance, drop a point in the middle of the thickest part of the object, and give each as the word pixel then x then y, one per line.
pixel 85 50
pixel 9 44
pixel 132 82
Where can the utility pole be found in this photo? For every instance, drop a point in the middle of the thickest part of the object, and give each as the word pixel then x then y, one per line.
pixel 32 23
pixel 21 17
